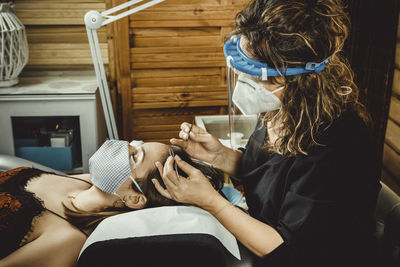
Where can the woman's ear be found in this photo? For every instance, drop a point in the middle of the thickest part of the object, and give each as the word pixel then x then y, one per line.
pixel 135 201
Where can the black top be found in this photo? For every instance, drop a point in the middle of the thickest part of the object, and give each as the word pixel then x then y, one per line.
pixel 18 207
pixel 322 203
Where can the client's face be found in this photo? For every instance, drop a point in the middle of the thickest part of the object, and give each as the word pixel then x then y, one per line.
pixel 144 157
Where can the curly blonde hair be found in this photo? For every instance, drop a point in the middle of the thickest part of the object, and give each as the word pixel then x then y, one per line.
pixel 287 34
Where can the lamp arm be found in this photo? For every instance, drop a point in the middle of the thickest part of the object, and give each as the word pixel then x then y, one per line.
pixel 93 21
pixel 119 7
pixel 131 11
pixel 102 83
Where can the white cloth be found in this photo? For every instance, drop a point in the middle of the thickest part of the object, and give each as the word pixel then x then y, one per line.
pixel 163 221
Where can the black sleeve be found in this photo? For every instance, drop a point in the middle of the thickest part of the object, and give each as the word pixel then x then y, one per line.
pixel 325 211
pixel 312 186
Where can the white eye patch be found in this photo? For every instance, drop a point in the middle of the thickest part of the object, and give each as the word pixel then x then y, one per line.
pixel 132 161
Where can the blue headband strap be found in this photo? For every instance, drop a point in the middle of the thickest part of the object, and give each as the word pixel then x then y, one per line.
pixel 237 59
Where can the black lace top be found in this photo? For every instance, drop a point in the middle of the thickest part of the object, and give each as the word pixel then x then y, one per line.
pixel 18 208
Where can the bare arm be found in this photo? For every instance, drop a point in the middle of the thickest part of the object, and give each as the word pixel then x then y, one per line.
pixel 257 236
pixel 56 248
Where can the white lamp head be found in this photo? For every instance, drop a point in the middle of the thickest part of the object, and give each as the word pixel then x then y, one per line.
pixel 93 19
pixel 14 50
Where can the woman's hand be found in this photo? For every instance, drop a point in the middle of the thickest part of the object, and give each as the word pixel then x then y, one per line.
pixel 198 143
pixel 201 145
pixel 195 189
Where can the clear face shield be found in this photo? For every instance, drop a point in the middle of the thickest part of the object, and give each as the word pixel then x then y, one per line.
pixel 241 125
pixel 248 99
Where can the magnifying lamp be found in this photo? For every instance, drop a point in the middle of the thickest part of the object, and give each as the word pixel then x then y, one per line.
pixel 93 21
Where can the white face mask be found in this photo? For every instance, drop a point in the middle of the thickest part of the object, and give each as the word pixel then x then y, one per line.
pixel 109 166
pixel 252 98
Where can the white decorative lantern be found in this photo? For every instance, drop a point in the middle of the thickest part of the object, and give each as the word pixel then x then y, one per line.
pixel 14 51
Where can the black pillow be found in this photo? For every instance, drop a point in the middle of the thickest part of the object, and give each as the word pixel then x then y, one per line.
pixel 163 250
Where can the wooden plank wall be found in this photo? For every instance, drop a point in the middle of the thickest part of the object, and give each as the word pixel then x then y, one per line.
pixel 391 152
pixel 177 66
pixel 56 34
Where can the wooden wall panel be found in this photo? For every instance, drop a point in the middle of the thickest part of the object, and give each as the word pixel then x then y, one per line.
pixel 393 136
pixel 391 160
pixel 57 12
pixel 121 56
pixel 396 77
pixel 177 64
pixel 394 112
pixel 160 125
pixel 391 151
pixel 56 33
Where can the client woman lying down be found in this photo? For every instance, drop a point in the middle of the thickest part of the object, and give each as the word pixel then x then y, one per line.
pixel 46 218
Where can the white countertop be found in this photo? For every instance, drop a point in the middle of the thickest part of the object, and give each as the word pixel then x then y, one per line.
pixel 53 83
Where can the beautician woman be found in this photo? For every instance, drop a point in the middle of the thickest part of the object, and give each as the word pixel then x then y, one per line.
pixel 309 170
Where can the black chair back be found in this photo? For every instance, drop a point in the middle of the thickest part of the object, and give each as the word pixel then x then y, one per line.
pixel 387 214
